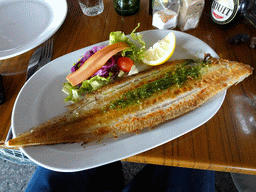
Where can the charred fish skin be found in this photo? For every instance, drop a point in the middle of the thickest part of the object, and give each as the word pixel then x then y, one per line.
pixel 178 87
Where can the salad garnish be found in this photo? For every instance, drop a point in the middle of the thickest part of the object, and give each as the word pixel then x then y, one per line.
pixel 136 44
pixel 118 65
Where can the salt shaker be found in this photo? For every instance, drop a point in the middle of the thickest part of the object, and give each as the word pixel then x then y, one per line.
pixel 165 13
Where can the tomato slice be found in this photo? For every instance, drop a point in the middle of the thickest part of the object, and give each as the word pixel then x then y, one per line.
pixel 125 64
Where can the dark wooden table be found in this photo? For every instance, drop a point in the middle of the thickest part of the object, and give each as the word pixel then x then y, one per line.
pixel 225 143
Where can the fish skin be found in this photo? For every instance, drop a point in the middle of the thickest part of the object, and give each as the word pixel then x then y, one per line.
pixel 91 123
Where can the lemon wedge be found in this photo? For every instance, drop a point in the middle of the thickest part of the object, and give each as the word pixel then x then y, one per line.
pixel 161 51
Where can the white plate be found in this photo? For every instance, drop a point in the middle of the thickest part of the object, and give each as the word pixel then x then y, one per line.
pixel 26 24
pixel 41 98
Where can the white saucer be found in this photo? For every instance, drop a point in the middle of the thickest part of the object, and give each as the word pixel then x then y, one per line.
pixel 26 24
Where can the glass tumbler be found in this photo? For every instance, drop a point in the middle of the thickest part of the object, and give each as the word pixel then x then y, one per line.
pixel 91 7
pixel 126 7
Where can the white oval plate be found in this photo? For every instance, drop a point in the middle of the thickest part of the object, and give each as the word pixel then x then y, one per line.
pixel 26 24
pixel 41 98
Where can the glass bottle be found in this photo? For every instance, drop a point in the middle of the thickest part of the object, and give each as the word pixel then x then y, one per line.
pixel 126 7
pixel 229 13
pixel 250 12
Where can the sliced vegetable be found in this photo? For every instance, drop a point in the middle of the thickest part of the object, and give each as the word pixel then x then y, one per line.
pixel 95 62
pixel 74 92
pixel 137 45
pixel 86 56
pixel 125 64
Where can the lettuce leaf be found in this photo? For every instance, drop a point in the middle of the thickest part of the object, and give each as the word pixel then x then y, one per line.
pixel 90 85
pixel 135 52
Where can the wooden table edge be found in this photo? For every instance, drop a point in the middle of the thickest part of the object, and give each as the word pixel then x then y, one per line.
pixel 191 164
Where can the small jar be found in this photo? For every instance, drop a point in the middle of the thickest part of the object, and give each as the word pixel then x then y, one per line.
pixel 126 7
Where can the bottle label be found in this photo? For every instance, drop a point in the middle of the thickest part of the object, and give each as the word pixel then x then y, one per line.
pixel 224 11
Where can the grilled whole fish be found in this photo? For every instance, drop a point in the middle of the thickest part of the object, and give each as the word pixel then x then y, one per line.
pixel 141 101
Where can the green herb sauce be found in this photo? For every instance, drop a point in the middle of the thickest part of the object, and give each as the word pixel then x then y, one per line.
pixel 187 70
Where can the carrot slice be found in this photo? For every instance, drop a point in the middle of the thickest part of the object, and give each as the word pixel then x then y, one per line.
pixel 95 62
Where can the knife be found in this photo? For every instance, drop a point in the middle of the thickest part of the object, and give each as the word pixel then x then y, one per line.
pixel 2 93
pixel 32 67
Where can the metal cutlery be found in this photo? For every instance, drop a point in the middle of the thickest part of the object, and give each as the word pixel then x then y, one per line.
pixel 46 53
pixel 2 93
pixel 39 58
pixel 32 65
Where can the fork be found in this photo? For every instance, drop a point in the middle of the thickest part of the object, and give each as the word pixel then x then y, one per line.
pixel 46 56
pixel 46 53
